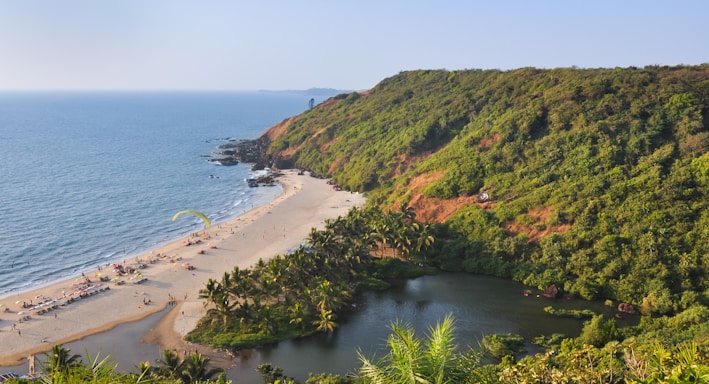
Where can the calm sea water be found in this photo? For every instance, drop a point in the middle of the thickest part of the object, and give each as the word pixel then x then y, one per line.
pixel 90 178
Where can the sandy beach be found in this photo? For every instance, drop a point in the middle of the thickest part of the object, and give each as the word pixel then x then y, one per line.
pixel 75 309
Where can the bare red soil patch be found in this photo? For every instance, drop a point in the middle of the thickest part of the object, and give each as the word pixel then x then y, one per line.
pixel 433 209
pixel 489 141
pixel 538 230
pixel 280 128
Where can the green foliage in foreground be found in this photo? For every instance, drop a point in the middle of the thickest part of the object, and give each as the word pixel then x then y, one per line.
pixel 598 178
pixel 595 356
pixel 61 366
pixel 437 358
pixel 412 360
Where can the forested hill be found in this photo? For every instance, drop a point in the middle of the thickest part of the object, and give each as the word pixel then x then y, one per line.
pixel 597 178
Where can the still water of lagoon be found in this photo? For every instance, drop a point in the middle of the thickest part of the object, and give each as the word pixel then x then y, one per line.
pixel 481 305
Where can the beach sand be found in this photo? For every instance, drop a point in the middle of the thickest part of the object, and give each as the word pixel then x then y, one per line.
pixel 261 233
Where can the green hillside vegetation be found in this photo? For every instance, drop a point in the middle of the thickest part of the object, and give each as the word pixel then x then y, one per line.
pixel 597 178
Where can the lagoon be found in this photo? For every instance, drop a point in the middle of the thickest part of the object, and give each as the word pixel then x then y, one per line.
pixel 481 305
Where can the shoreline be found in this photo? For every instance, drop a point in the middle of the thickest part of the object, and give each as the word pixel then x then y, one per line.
pixel 154 243
pixel 166 281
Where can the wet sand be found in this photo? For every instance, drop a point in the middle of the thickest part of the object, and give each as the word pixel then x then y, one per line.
pixel 265 231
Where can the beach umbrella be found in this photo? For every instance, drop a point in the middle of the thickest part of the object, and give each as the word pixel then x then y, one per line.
pixel 199 214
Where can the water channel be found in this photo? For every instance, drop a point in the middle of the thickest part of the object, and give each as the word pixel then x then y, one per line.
pixel 481 305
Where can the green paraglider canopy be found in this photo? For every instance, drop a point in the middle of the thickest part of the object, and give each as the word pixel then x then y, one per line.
pixel 199 214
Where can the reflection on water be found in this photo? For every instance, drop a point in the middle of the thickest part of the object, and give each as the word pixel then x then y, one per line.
pixel 481 305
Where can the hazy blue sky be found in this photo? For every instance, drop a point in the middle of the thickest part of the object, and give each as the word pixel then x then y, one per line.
pixel 260 44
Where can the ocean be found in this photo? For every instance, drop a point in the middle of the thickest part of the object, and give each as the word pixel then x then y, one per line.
pixel 90 178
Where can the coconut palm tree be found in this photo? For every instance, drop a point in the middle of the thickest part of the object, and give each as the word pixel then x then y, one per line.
pixel 211 291
pixel 224 307
pixel 145 373
pixel 326 322
pixel 63 367
pixel 169 366
pixel 216 293
pixel 381 234
pixel 60 360
pixel 100 368
pixel 196 368
pixel 406 213
pixel 265 320
pixel 413 361
pixel 297 314
pixel 325 295
pixel 242 283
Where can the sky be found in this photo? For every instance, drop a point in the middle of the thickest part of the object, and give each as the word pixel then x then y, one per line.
pixel 346 45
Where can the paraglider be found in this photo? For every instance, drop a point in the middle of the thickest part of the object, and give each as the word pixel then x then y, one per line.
pixel 199 214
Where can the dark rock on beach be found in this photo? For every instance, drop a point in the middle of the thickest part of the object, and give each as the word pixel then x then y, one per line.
pixel 265 180
pixel 246 151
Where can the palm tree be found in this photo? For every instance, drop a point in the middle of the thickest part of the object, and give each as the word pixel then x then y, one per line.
pixel 324 295
pixel 226 280
pixel 265 321
pixel 242 283
pixel 297 314
pixel 407 213
pixel 402 239
pixel 246 312
pixel 60 360
pixel 224 307
pixel 169 366
pixel 326 322
pixel 424 238
pixel 63 367
pixel 215 293
pixel 412 361
pixel 382 234
pixel 145 372
pixel 324 240
pixel 100 368
pixel 196 368
pixel 270 288
pixel 211 292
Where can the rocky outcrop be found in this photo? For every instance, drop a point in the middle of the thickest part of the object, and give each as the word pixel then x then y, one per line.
pixel 552 292
pixel 628 309
pixel 268 180
pixel 245 151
